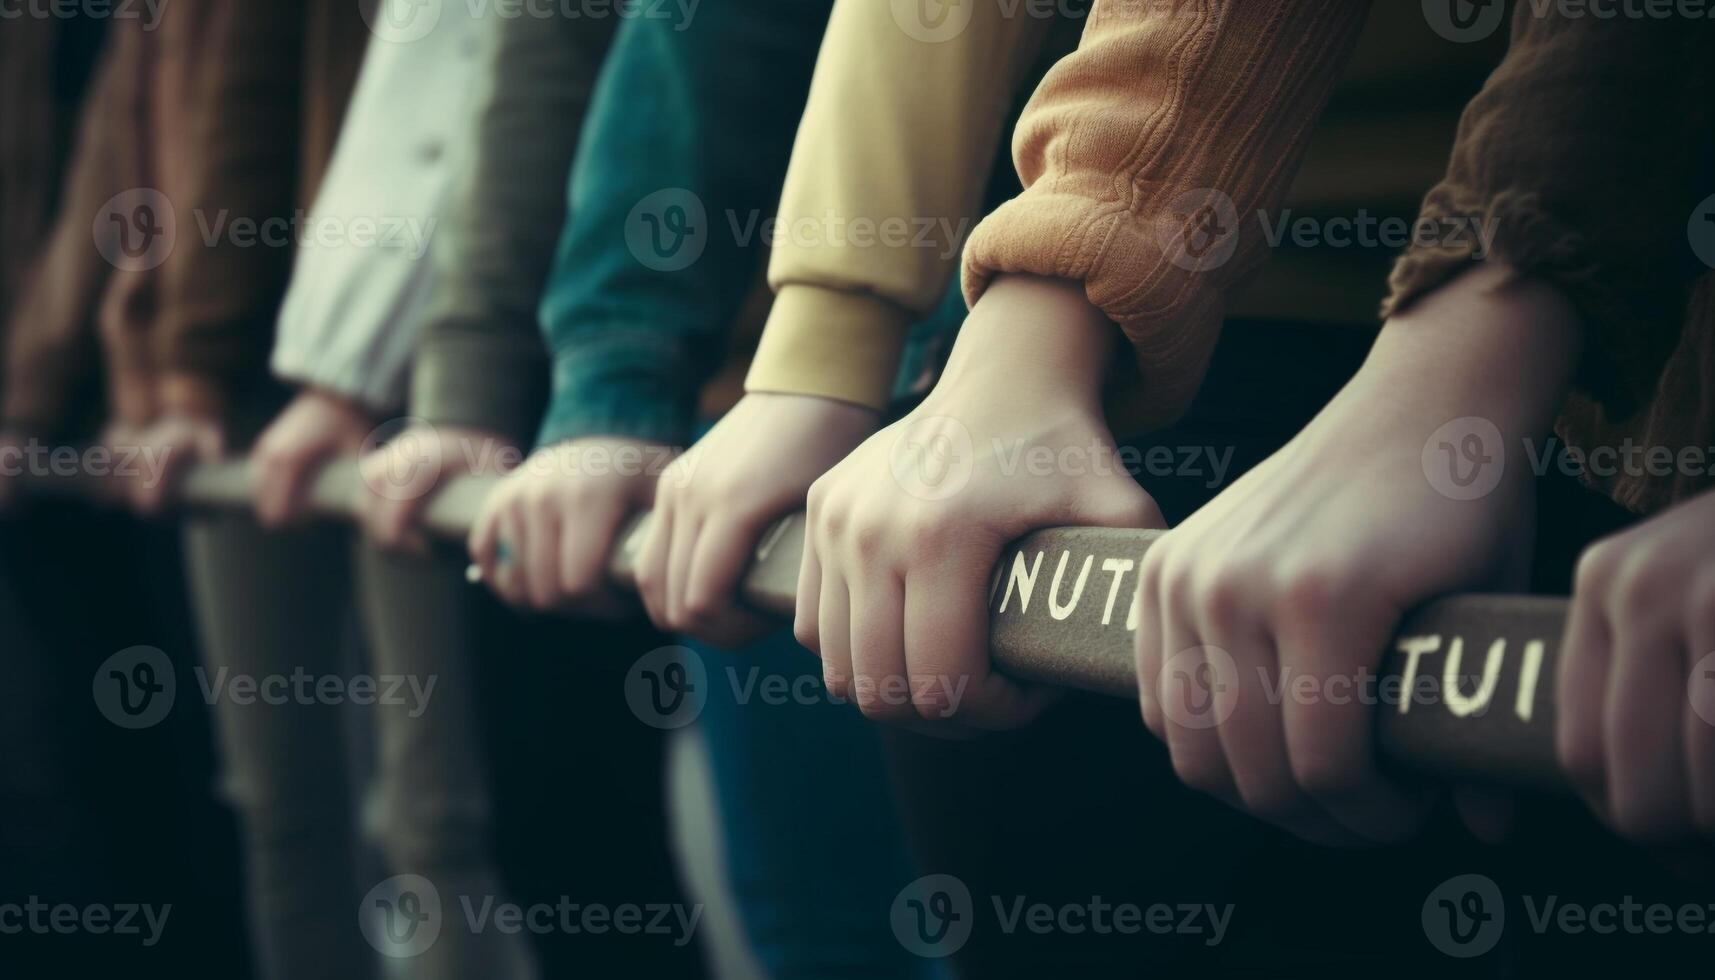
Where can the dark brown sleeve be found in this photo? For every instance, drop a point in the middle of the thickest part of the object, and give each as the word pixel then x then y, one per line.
pixel 1584 157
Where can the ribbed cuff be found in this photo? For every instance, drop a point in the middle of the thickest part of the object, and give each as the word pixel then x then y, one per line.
pixel 830 344
pixel 489 381
pixel 627 389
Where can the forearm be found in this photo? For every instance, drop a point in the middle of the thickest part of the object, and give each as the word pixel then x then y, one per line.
pixel 1578 164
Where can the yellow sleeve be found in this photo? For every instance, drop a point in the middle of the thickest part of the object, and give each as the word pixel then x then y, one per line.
pixel 899 136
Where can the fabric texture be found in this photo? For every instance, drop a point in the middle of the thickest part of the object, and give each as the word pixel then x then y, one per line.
pixel 170 244
pixel 1139 154
pixel 888 174
pixel 363 271
pixel 1583 106
pixel 684 152
pixel 480 360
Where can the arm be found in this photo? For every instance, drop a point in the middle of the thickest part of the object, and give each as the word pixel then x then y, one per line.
pixel 1415 481
pixel 686 146
pixel 480 372
pixel 899 134
pixel 1157 100
pixel 363 268
pixel 1145 156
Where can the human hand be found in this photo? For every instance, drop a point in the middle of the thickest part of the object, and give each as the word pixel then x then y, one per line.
pixel 315 427
pixel 400 477
pixel 545 533
pixel 903 535
pixel 1636 726
pixel 1304 567
pixel 714 502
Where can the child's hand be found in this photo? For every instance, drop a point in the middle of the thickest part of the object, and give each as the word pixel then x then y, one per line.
pixel 314 428
pixel 903 535
pixel 715 501
pixel 190 429
pixel 545 533
pixel 400 477
pixel 1410 484
pixel 1636 729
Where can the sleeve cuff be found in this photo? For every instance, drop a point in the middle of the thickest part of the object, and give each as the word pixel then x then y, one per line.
pixel 830 344
pixel 626 389
pixel 1624 337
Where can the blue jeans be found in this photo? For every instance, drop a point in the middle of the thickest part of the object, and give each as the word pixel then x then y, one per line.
pixel 815 849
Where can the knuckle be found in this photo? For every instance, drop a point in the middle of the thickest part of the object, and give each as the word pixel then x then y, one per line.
pixel 1275 800
pixel 1315 592
pixel 1200 772
pixel 804 631
pixel 1597 567
pixel 1222 597
pixel 1322 775
pixel 1641 589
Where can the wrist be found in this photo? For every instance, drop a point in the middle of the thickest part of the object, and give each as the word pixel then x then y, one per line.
pixel 1037 338
pixel 1490 343
pixel 192 395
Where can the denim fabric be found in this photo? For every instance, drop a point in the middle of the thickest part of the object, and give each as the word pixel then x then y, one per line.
pixel 815 848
